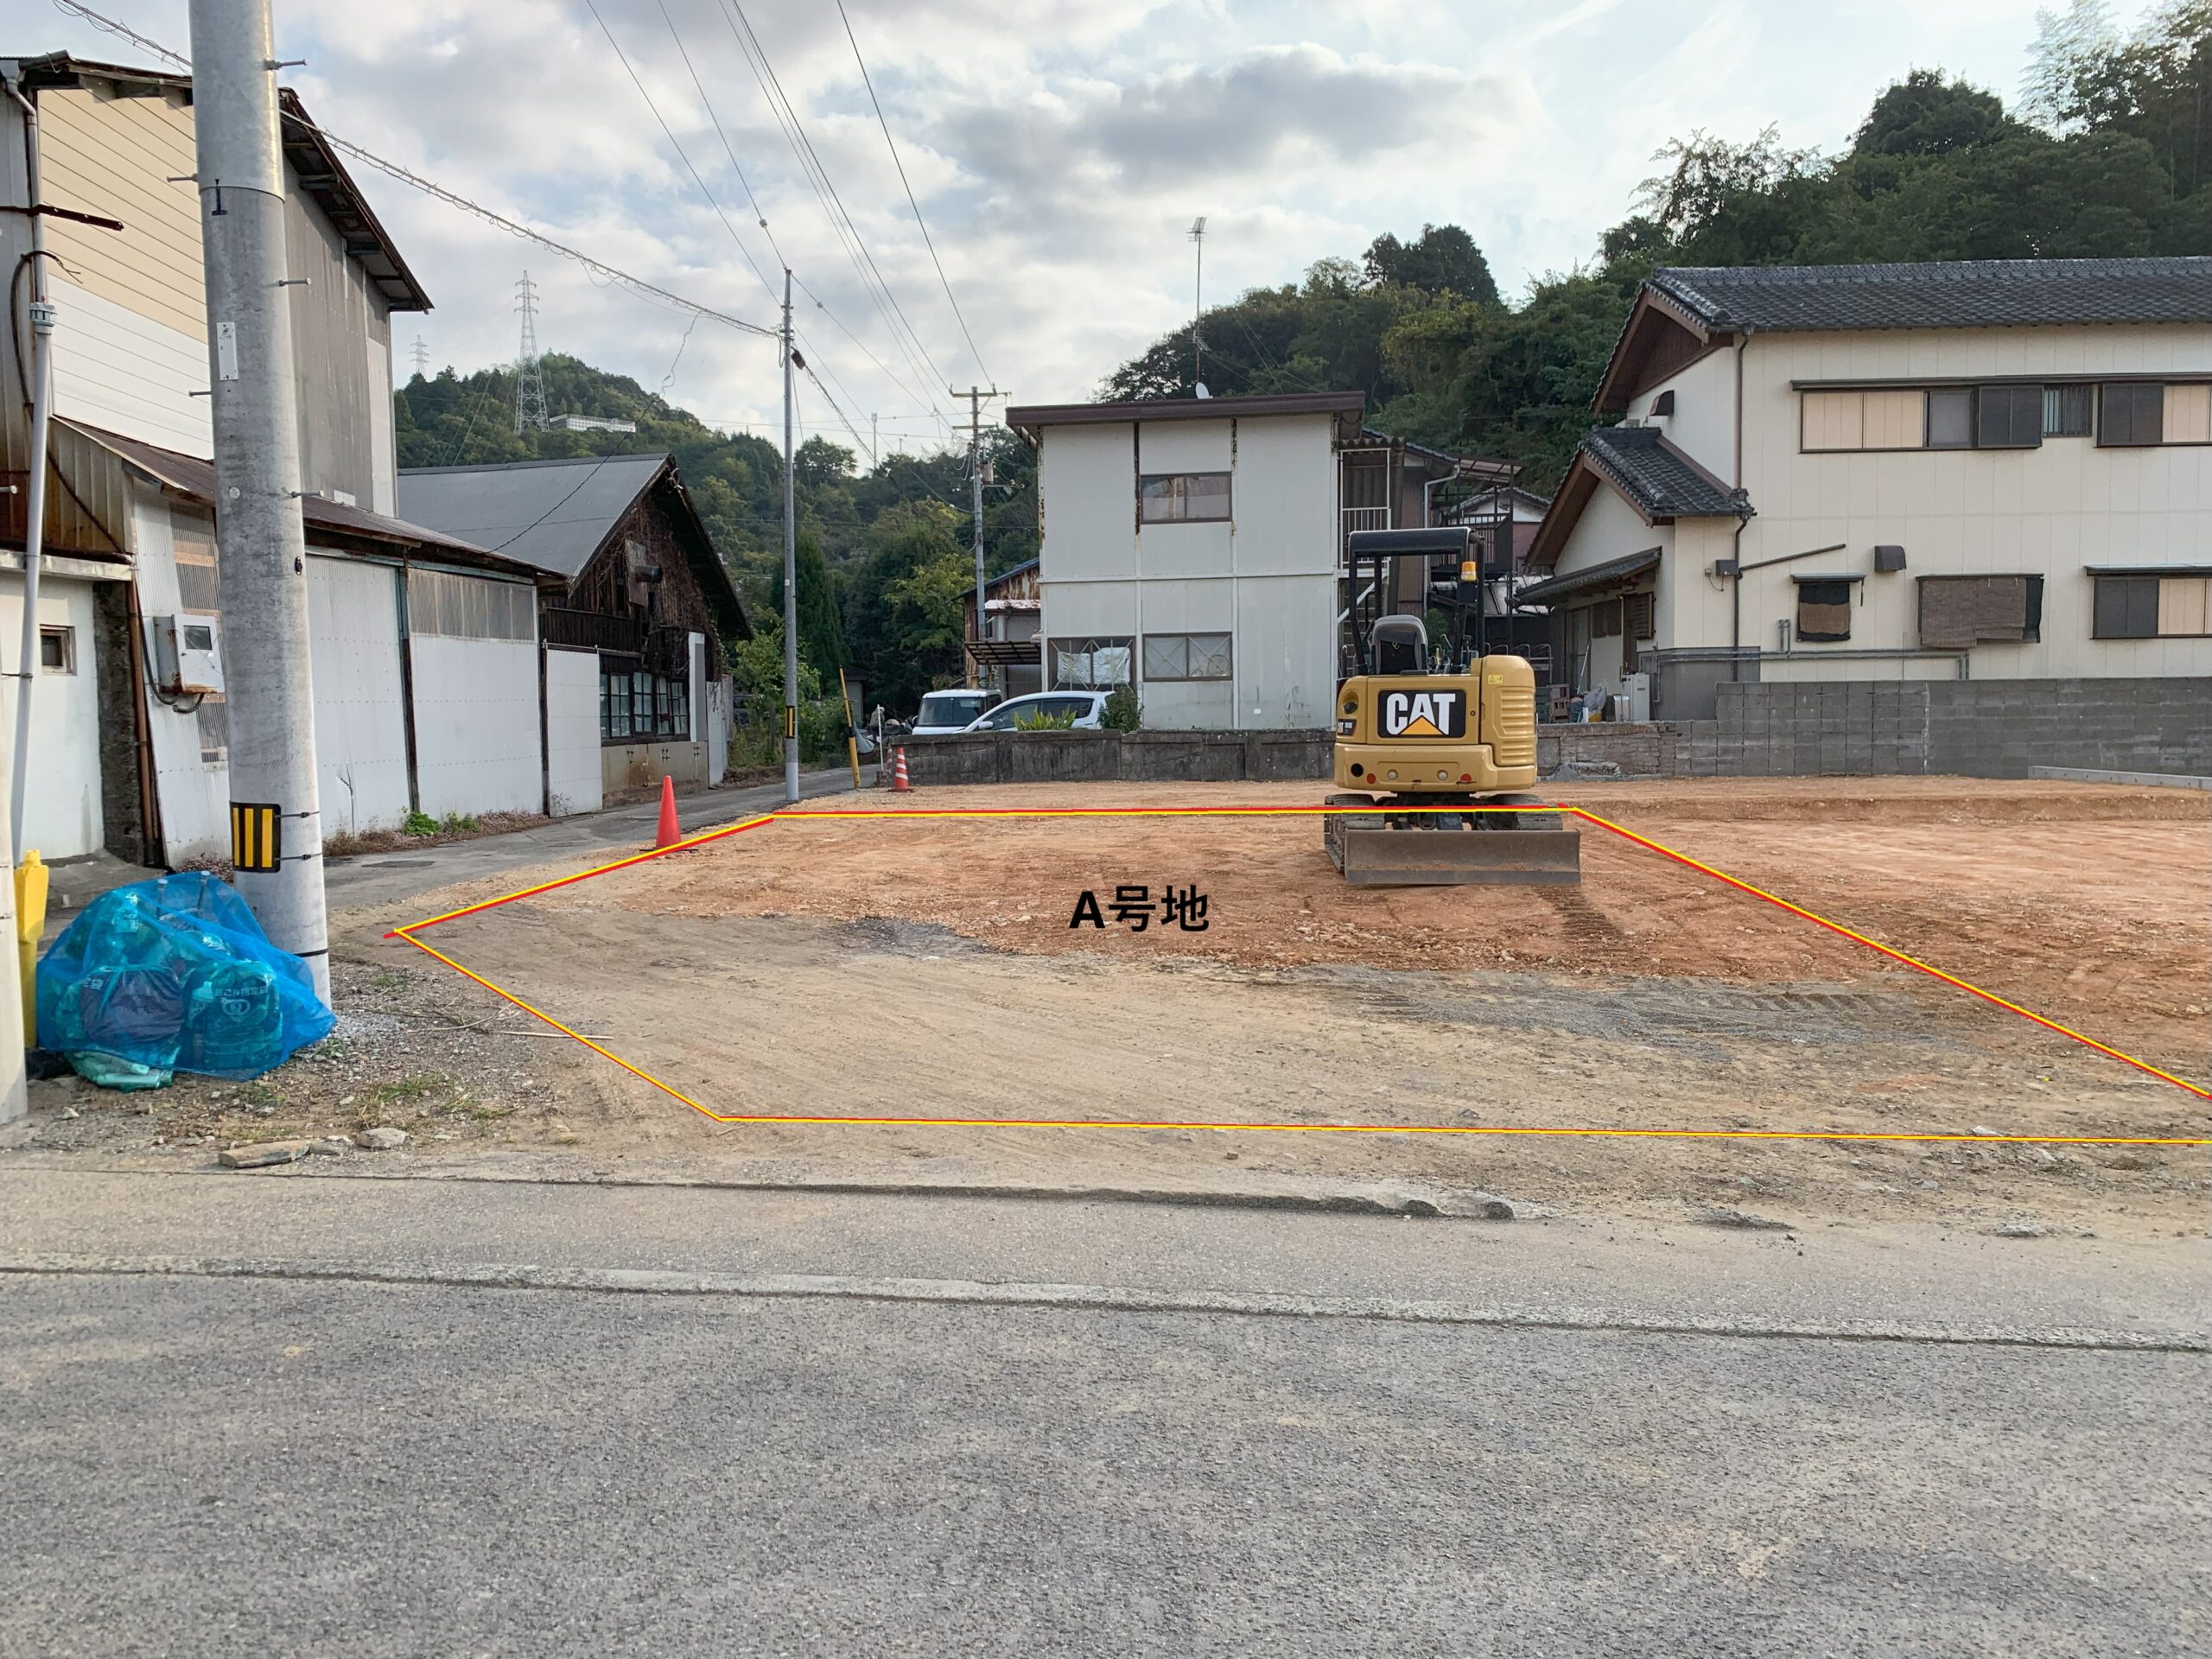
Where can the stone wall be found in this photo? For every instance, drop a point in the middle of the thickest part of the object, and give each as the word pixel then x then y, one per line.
pixel 1973 728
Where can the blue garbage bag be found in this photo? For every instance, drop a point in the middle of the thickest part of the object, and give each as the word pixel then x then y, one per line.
pixel 174 975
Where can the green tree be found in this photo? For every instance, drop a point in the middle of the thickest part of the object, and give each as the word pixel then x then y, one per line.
pixel 821 629
pixel 1925 115
pixel 1442 259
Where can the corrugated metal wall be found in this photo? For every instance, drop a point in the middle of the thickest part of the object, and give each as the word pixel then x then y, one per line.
pixel 360 735
pixel 476 732
pixel 572 730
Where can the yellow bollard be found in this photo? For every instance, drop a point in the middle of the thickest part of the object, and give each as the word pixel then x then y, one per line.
pixel 30 922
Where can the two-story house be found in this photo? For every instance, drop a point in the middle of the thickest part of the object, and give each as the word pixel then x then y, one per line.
pixel 1992 470
pixel 1195 548
pixel 423 646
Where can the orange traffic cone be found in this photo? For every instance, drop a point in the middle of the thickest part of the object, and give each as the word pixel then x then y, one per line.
pixel 669 832
pixel 901 783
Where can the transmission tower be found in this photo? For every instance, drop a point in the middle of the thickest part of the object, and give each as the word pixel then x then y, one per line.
pixel 530 385
pixel 421 353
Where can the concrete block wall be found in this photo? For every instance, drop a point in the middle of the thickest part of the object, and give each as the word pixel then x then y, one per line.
pixel 1119 757
pixel 1973 728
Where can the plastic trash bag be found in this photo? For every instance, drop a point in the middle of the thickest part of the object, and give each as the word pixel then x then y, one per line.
pixel 174 975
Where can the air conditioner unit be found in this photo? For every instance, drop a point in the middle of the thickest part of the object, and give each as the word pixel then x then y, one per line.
pixel 188 653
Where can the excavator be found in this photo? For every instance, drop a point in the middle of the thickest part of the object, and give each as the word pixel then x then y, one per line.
pixel 1410 735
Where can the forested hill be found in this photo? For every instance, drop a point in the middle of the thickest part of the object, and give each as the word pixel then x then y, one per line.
pixel 2107 156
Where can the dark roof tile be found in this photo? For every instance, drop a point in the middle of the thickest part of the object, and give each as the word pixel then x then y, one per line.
pixel 1949 294
pixel 1660 478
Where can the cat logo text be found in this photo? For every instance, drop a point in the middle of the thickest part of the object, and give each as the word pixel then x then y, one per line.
pixel 1425 714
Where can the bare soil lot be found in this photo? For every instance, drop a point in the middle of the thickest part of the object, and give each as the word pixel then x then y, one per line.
pixel 925 967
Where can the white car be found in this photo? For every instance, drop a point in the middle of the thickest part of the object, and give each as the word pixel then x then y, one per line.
pixel 956 710
pixel 1089 709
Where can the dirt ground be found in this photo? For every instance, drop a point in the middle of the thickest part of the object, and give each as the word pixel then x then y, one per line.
pixel 926 967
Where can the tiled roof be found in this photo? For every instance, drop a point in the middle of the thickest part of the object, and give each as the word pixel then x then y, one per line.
pixel 1951 294
pixel 1659 478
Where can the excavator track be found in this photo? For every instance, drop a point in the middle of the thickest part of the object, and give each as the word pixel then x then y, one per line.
pixel 1471 848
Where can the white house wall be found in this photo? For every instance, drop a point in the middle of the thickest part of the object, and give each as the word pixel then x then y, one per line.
pixel 61 809
pixel 360 722
pixel 2049 510
pixel 128 373
pixel 1703 425
pixel 572 731
pixel 1267 578
pixel 476 743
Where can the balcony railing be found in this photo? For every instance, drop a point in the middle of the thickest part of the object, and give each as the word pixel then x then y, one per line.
pixel 1366 518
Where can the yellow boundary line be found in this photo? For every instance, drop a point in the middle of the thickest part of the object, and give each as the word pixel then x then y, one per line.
pixel 408 931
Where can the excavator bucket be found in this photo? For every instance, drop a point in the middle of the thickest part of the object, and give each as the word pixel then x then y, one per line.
pixel 1467 849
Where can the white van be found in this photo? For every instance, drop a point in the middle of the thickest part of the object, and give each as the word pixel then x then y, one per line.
pixel 952 711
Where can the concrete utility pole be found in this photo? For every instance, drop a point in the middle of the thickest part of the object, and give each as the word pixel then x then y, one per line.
pixel 42 379
pixel 1198 306
pixel 261 550
pixel 791 567
pixel 976 396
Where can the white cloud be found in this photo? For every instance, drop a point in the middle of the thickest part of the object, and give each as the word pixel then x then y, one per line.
pixel 1059 151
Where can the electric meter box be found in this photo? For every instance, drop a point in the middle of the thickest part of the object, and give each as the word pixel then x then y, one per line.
pixel 188 653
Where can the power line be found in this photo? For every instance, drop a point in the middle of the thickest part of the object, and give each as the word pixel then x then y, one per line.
pixel 760 217
pixel 842 222
pixel 868 81
pixel 110 26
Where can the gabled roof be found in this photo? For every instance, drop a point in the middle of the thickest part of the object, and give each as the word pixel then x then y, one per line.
pixel 1625 569
pixel 1657 479
pixel 314 163
pixel 1945 294
pixel 556 515
pixel 1031 419
pixel 326 521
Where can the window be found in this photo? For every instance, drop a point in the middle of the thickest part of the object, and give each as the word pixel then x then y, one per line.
pixel 1182 498
pixel 57 650
pixel 2132 415
pixel 2010 417
pixel 2152 607
pixel 1605 619
pixel 451 606
pixel 1879 419
pixel 1823 609
pixel 1186 657
pixel 1956 612
pixel 2188 412
pixel 615 704
pixel 1089 664
pixel 2066 411
pixel 1950 418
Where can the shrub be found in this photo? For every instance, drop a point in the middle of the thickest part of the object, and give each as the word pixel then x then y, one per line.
pixel 420 824
pixel 1040 720
pixel 1123 712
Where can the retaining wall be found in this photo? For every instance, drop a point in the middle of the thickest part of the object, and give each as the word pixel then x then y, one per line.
pixel 1973 728
pixel 1119 757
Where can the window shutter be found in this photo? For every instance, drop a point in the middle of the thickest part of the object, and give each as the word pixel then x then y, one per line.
pixel 1833 420
pixel 1894 420
pixel 2131 414
pixel 2188 413
pixel 1956 612
pixel 2011 418
pixel 1640 614
pixel 2181 605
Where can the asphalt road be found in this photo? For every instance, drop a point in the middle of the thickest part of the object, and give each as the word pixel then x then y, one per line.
pixel 368 1417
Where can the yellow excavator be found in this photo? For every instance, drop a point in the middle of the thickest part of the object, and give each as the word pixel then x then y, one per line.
pixel 1415 736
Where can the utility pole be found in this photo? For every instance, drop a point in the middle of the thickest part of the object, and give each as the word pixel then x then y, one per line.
pixel 873 445
pixel 791 567
pixel 975 395
pixel 260 547
pixel 529 385
pixel 1198 306
pixel 41 402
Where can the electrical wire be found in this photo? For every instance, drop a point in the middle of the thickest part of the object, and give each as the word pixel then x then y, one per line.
pixel 868 81
pixel 108 25
pixel 840 220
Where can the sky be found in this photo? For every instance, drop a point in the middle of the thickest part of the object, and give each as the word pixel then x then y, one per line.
pixel 1059 150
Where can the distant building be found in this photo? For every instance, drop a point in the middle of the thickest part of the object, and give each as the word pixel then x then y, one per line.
pixel 591 423
pixel 1975 471
pixel 1005 652
pixel 633 624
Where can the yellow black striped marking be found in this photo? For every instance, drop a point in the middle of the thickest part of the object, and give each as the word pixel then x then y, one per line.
pixel 256 843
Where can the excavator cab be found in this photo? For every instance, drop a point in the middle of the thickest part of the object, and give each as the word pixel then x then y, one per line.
pixel 1398 646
